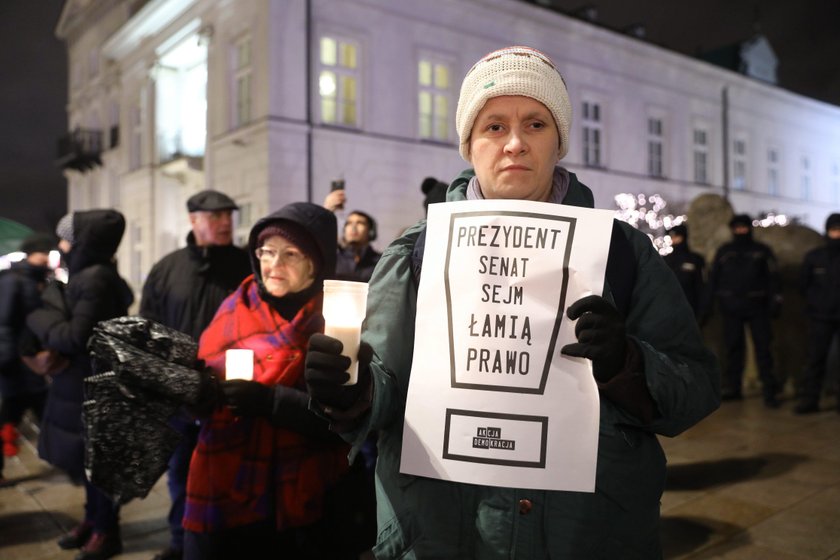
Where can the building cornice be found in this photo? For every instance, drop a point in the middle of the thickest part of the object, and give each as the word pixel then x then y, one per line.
pixel 150 20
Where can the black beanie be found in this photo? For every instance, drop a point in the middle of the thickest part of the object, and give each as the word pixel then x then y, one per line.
pixel 740 220
pixel 38 243
pixel 833 221
pixel 679 230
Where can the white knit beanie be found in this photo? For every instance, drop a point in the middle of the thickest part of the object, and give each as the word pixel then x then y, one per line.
pixel 513 71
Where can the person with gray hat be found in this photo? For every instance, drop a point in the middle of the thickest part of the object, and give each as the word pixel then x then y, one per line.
pixel 513 120
pixel 21 389
pixel 820 284
pixel 183 291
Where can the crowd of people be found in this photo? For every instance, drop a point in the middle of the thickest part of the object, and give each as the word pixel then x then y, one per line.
pixel 264 468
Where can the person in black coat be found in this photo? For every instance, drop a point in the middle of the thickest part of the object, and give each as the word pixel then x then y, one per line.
pixel 21 389
pixel 688 266
pixel 745 282
pixel 94 292
pixel 183 292
pixel 820 284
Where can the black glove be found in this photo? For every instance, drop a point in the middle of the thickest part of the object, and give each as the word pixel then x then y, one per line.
pixel 600 334
pixel 248 398
pixel 775 307
pixel 209 396
pixel 326 373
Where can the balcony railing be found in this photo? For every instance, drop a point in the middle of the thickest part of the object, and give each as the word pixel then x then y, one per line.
pixel 80 149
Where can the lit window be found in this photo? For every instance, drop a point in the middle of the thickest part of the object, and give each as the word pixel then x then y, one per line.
pixel 338 81
pixel 434 99
pixel 592 134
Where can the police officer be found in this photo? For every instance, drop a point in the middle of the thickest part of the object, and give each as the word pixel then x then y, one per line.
pixel 688 266
pixel 820 284
pixel 745 282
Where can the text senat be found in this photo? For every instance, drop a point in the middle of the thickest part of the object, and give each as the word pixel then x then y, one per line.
pixel 516 237
pixel 511 267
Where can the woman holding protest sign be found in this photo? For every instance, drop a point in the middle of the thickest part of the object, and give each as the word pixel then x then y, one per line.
pixel 652 371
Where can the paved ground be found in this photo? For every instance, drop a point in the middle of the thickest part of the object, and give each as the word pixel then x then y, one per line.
pixel 745 484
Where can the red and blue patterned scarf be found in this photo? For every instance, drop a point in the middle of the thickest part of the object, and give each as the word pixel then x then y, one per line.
pixel 243 469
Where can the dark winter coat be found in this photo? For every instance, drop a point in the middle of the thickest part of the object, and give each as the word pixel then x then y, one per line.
pixel 745 278
pixel 20 294
pixel 94 292
pixel 688 266
pixel 425 518
pixel 820 282
pixel 347 268
pixel 184 289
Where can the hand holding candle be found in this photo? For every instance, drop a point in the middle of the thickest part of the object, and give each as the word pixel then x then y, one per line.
pixel 239 364
pixel 344 311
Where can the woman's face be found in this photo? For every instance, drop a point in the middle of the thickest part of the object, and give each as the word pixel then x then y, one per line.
pixel 514 146
pixel 283 267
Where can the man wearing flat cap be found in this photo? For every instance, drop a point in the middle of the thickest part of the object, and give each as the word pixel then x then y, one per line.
pixel 183 291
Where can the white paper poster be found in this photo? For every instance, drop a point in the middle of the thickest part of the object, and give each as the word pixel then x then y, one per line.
pixel 491 400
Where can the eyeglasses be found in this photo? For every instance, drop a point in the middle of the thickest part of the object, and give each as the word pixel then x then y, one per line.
pixel 288 256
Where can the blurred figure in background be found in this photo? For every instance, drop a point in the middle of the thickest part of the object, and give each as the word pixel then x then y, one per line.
pixel 745 281
pixel 94 292
pixel 688 266
pixel 183 291
pixel 355 257
pixel 434 191
pixel 820 284
pixel 21 389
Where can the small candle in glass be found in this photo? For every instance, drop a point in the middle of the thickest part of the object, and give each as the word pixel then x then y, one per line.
pixel 344 310
pixel 239 364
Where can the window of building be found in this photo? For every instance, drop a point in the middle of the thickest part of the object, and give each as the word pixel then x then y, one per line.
pixel 593 137
pixel 135 156
pixel 739 164
pixel 181 102
pixel 805 179
pixel 241 76
pixel 701 156
pixel 772 171
pixel 93 63
pixel 136 258
pixel 434 99
pixel 242 222
pixel 655 147
pixel 338 81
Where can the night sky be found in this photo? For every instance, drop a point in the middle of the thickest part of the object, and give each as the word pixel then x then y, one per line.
pixel 33 90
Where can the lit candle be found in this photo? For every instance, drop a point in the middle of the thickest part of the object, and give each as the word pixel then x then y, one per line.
pixel 344 310
pixel 239 364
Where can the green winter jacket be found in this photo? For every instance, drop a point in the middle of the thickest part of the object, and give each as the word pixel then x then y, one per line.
pixel 423 518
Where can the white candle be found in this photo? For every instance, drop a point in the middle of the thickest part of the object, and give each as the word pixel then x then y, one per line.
pixel 239 364
pixel 344 311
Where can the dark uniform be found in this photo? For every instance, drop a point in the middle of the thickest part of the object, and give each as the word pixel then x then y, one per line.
pixel 183 291
pixel 820 284
pixel 744 279
pixel 689 268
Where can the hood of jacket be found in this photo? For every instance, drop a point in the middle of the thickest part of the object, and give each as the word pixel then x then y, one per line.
pixel 578 194
pixel 97 235
pixel 318 222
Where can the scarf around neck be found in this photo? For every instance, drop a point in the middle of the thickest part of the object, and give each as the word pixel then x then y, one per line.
pixel 559 187
pixel 246 470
